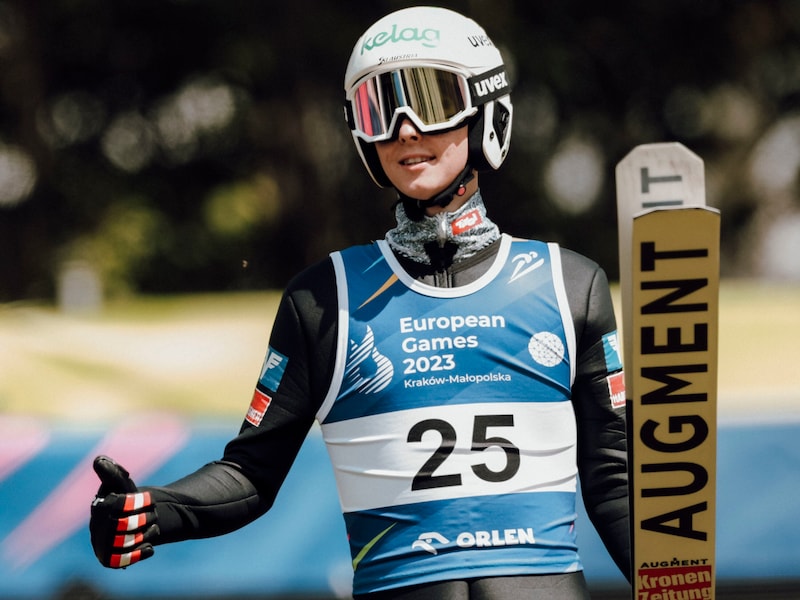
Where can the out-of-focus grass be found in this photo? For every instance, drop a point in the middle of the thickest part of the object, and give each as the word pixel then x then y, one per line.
pixel 197 354
pixel 759 347
pixel 201 354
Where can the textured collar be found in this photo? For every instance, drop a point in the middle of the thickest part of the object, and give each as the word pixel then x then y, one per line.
pixel 468 228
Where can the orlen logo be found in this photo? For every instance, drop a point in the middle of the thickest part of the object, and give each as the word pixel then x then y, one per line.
pixel 427 37
pixel 468 221
pixel 496 537
pixel 425 541
pixel 479 539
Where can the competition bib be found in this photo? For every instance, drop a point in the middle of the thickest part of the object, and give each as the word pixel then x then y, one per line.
pixel 449 422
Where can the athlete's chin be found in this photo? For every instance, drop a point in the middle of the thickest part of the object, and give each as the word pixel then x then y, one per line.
pixel 420 190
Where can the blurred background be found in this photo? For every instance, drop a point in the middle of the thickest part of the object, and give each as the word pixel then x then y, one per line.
pixel 167 165
pixel 197 145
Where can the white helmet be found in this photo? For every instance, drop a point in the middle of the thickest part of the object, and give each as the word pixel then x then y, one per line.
pixel 437 68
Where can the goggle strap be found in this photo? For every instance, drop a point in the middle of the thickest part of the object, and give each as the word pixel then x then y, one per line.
pixel 489 86
pixel 348 114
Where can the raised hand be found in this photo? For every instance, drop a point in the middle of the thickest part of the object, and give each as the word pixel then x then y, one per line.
pixel 123 519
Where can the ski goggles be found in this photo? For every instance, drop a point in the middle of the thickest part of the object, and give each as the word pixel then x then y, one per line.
pixel 433 98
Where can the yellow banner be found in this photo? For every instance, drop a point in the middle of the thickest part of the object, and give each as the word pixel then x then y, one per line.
pixel 673 402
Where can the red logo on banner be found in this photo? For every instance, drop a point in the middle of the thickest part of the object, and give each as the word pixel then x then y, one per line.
pixel 258 406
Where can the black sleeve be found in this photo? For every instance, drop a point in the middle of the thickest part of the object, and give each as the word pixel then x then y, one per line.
pixel 228 494
pixel 305 333
pixel 602 436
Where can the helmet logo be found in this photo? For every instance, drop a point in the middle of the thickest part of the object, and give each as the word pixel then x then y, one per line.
pixel 490 85
pixel 427 37
pixel 479 40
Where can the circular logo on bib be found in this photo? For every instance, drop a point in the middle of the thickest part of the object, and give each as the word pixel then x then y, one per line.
pixel 546 349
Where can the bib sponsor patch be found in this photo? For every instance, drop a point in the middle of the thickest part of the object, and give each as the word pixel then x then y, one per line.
pixel 258 406
pixel 273 369
pixel 616 389
pixel 611 349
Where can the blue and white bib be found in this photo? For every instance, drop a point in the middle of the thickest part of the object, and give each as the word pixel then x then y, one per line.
pixel 449 422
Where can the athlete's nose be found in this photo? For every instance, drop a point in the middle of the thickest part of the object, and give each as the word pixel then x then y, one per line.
pixel 407 131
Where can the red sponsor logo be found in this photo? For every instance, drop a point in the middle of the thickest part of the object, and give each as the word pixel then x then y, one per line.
pixel 467 222
pixel 616 389
pixel 258 406
pixel 675 582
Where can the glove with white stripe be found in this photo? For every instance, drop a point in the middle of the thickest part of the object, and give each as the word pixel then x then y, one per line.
pixel 123 519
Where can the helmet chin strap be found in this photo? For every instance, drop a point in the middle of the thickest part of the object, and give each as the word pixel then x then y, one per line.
pixel 415 209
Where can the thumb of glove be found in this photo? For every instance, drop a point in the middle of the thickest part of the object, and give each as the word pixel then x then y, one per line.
pixel 114 479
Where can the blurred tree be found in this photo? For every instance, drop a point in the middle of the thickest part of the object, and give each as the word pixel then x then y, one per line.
pixel 183 145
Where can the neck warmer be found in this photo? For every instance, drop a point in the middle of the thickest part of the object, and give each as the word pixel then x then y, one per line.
pixel 468 228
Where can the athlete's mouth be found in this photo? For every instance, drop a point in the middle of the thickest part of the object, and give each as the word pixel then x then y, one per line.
pixel 415 160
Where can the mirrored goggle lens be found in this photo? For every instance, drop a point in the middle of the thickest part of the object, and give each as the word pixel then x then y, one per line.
pixel 436 97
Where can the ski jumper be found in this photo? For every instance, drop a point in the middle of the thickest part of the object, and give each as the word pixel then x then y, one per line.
pixel 455 422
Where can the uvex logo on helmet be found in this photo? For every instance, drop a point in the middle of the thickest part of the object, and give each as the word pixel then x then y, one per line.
pixel 427 37
pixel 490 85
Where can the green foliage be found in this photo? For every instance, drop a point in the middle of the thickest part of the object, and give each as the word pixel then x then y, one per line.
pixel 236 209
pixel 129 234
pixel 172 142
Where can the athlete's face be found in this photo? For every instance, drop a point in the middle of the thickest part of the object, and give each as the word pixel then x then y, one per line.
pixel 422 165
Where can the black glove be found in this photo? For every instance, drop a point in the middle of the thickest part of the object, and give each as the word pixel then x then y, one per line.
pixel 123 521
